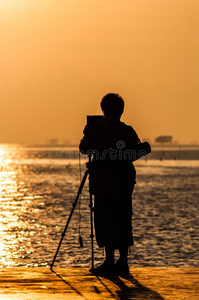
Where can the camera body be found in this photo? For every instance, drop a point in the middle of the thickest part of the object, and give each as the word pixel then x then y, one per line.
pixel 93 121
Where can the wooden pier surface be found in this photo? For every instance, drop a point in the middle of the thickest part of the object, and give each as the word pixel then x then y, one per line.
pixel 77 283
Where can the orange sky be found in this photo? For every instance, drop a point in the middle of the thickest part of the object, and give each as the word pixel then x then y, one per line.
pixel 59 58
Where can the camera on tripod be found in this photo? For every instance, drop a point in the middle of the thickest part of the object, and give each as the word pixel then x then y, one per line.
pixel 92 123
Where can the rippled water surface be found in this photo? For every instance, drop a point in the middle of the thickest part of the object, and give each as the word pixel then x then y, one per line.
pixel 39 186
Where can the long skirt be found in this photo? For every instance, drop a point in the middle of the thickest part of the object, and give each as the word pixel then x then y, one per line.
pixel 113 219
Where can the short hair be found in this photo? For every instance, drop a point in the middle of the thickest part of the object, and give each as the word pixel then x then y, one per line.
pixel 112 104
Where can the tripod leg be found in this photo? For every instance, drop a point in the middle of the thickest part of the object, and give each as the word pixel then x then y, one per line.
pixel 91 217
pixel 74 205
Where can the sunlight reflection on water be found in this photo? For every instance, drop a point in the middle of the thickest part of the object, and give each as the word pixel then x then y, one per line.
pixel 36 196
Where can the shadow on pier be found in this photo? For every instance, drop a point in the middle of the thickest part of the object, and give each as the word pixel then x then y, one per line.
pixel 74 289
pixel 111 286
pixel 129 288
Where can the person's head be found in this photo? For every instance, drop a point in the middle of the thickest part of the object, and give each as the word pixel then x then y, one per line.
pixel 112 105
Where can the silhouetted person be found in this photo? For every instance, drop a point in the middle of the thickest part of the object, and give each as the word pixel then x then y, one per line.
pixel 112 180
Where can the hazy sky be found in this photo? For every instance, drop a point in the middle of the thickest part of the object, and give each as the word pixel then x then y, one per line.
pixel 59 58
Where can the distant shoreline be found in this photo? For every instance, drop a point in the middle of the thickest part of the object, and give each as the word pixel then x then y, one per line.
pixel 155 146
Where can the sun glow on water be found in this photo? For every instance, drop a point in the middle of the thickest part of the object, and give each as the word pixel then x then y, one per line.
pixel 8 216
pixel 2 246
pixel 2 151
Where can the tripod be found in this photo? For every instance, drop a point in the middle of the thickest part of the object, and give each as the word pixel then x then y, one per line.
pixel 70 216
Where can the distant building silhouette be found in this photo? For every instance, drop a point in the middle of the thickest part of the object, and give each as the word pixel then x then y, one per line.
pixel 53 142
pixel 164 139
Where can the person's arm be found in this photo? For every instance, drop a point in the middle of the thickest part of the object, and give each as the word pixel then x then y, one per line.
pixel 133 138
pixel 141 149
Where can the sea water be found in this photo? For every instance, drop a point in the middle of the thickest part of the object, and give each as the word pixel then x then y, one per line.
pixel 39 186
